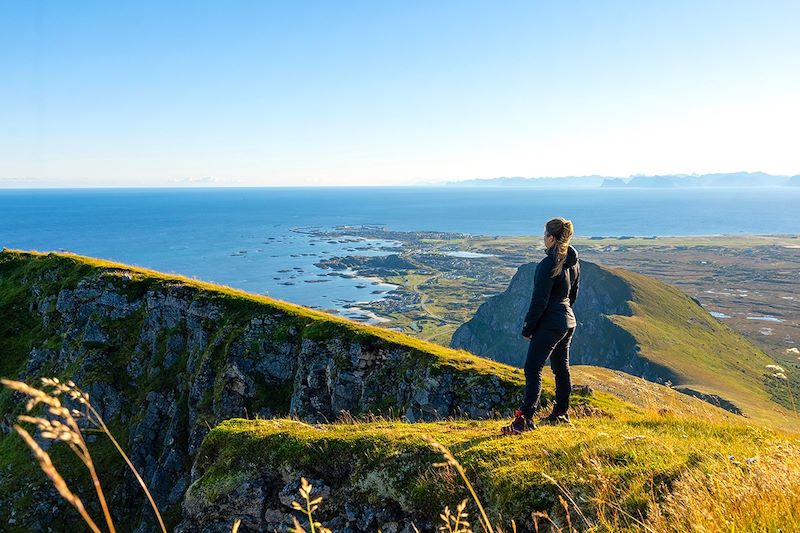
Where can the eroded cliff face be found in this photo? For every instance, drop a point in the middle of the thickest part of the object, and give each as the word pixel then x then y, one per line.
pixel 494 331
pixel 165 360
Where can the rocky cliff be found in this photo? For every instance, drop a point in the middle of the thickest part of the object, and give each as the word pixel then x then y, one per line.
pixel 165 358
pixel 495 329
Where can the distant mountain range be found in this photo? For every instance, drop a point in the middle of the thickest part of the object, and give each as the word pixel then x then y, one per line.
pixel 733 179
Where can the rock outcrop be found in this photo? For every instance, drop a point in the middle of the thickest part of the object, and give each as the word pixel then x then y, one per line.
pixel 494 331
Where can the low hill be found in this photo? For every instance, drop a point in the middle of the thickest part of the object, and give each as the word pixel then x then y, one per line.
pixel 640 325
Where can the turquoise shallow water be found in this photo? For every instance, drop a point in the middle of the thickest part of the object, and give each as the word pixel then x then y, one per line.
pixel 244 238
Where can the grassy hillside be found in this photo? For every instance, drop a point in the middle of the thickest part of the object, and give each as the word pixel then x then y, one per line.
pixel 704 354
pixel 648 328
pixel 633 442
pixel 65 269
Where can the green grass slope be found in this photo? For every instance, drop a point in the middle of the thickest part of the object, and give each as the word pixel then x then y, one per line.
pixel 712 359
pixel 704 354
pixel 735 369
pixel 66 269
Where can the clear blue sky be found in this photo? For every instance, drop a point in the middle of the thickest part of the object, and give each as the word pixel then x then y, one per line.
pixel 168 93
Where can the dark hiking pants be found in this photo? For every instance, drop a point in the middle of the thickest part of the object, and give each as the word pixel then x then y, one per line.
pixel 552 343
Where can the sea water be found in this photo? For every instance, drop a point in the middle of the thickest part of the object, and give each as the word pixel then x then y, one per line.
pixel 256 238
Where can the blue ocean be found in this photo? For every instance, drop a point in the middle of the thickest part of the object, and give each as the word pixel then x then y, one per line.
pixel 252 238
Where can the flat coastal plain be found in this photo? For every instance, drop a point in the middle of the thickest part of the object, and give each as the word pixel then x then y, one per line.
pixel 750 282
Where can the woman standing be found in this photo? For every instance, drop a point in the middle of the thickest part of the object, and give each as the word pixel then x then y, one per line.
pixel 549 325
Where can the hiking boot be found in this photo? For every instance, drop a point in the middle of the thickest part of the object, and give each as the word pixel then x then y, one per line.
pixel 518 425
pixel 555 418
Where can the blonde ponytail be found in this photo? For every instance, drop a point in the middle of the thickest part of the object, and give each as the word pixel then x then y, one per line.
pixel 562 230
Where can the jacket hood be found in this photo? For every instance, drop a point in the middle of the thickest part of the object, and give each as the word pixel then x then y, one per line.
pixel 572 255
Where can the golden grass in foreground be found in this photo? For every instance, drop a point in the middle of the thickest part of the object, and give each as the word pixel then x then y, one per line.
pixel 307 509
pixel 766 494
pixel 61 425
pixel 613 473
pixel 700 502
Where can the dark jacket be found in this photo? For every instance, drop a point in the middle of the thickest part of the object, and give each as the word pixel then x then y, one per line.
pixel 553 297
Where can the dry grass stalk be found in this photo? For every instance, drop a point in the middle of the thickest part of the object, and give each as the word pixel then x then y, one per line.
pixel 61 486
pixel 307 509
pixel 564 503
pixel 455 522
pixel 758 491
pixel 63 426
pixel 536 515
pixel 450 460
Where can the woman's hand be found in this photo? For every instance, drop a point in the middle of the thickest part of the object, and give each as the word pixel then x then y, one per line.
pixel 525 330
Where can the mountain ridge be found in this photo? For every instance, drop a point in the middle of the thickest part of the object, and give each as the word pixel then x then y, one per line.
pixel 721 179
pixel 167 358
pixel 637 324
